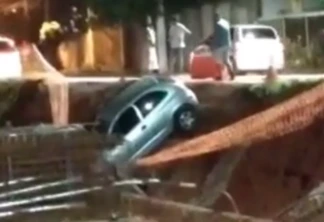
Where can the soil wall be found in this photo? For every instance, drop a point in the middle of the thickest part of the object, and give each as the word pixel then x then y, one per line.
pixel 221 102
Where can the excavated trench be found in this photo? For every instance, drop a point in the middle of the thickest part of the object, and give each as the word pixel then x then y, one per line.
pixel 265 180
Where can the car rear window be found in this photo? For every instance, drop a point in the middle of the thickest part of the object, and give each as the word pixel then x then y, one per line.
pixel 259 33
pixel 5 46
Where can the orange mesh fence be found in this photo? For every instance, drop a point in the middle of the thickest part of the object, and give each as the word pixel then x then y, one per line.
pixel 292 115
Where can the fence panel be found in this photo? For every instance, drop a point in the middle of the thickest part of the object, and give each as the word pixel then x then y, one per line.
pixel 43 169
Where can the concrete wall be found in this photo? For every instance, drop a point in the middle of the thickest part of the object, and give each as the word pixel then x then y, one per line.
pixel 272 8
pixel 100 48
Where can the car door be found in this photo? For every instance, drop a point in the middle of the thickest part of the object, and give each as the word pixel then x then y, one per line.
pixel 128 125
pixel 154 125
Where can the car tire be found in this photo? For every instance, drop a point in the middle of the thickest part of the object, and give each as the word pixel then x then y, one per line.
pixel 185 119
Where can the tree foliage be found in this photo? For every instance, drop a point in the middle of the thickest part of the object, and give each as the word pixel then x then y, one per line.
pixel 321 3
pixel 138 10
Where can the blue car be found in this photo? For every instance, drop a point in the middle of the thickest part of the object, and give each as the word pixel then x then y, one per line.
pixel 143 116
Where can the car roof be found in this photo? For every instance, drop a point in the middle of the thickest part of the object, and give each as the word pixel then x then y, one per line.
pixel 130 93
pixel 251 26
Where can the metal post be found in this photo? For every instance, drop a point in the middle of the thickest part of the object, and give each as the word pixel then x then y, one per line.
pixel 307 36
pixel 161 39
pixel 283 25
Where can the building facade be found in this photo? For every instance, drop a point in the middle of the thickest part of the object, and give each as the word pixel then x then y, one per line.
pixel 274 8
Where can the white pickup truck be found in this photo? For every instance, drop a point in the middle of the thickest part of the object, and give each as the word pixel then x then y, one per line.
pixel 255 48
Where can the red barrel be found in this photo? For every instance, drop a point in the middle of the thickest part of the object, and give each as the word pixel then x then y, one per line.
pixel 203 65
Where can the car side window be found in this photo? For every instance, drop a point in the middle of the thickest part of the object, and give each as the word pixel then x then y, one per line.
pixel 149 101
pixel 126 122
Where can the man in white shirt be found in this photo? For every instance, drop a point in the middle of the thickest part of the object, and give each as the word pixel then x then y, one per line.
pixel 177 35
pixel 153 63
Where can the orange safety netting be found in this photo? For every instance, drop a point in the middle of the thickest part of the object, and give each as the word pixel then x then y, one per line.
pixel 37 67
pixel 287 117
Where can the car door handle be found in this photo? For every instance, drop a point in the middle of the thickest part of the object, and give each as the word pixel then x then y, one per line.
pixel 143 127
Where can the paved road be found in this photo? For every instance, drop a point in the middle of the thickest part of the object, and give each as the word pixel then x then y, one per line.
pixel 247 79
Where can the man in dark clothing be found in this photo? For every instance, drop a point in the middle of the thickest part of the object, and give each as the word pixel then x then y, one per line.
pixel 220 43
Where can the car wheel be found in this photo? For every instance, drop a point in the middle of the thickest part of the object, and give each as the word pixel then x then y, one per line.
pixel 185 119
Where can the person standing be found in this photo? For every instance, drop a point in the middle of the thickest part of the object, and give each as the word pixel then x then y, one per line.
pixel 220 44
pixel 153 63
pixel 177 35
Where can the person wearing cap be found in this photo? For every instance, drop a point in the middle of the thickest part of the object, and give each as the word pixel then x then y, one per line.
pixel 220 43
